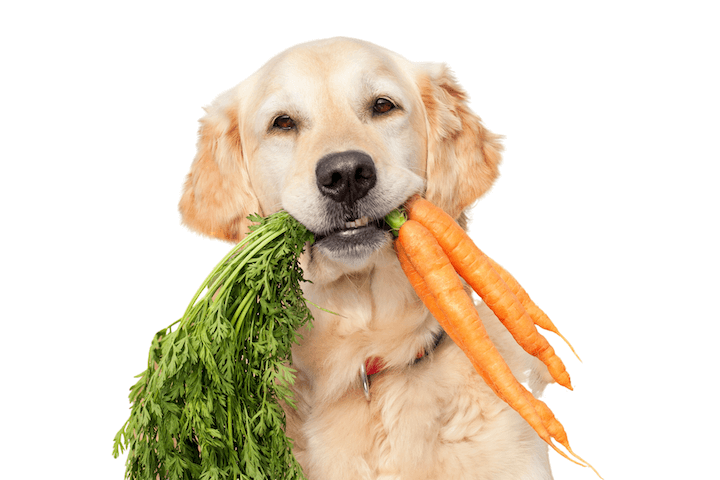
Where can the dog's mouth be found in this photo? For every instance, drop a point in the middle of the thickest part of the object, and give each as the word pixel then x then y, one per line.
pixel 355 239
pixel 354 231
pixel 353 228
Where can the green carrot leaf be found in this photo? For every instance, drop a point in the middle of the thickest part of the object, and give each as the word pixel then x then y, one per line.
pixel 208 405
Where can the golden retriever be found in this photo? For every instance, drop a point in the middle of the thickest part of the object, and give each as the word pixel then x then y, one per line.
pixel 339 132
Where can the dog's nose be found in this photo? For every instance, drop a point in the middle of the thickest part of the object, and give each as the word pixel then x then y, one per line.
pixel 345 176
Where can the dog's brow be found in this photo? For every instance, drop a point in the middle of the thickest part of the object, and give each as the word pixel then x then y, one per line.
pixel 380 86
pixel 279 105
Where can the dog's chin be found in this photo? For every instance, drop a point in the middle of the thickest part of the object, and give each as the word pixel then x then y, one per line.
pixel 353 246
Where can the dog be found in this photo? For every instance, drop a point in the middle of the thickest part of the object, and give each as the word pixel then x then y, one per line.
pixel 339 132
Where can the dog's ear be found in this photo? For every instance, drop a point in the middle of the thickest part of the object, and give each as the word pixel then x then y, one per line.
pixel 218 196
pixel 463 156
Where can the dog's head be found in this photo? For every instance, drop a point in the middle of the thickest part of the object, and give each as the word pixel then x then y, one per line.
pixel 337 132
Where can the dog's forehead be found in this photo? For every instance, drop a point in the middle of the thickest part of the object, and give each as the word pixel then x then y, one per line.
pixel 334 66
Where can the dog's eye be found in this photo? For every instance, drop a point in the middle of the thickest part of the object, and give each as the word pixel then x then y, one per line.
pixel 383 105
pixel 284 122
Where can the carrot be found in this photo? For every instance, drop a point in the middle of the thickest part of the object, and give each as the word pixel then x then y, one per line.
pixel 538 316
pixel 477 269
pixel 426 257
pixel 424 293
pixel 439 287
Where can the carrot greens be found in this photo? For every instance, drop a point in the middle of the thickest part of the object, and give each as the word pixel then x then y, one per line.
pixel 208 405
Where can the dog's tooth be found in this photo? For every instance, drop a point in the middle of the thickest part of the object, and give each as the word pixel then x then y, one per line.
pixel 360 222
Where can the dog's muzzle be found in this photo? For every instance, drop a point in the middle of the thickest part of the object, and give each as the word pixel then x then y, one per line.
pixel 346 179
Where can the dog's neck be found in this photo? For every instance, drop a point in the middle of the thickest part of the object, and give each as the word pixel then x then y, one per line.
pixel 375 313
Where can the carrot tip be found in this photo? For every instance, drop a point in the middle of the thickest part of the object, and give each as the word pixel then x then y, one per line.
pixel 569 345
pixel 564 381
pixel 581 459
pixel 566 456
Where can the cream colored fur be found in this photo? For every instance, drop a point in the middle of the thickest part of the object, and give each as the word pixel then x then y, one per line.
pixel 434 419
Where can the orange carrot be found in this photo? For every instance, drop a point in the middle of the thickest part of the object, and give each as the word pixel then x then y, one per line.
pixel 476 268
pixel 440 288
pixel 537 315
pixel 426 257
pixel 424 293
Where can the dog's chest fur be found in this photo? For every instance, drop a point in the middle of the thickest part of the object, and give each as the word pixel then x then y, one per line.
pixel 427 420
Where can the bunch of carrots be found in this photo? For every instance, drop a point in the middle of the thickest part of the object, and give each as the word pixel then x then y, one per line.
pixel 433 249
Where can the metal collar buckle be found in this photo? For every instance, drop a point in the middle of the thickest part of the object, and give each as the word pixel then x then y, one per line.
pixel 376 364
pixel 365 381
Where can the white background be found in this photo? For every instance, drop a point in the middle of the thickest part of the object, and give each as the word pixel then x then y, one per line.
pixel 606 211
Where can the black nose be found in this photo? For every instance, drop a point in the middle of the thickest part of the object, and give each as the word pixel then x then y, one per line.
pixel 345 176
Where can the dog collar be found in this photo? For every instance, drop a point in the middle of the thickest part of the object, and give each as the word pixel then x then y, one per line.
pixel 374 365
